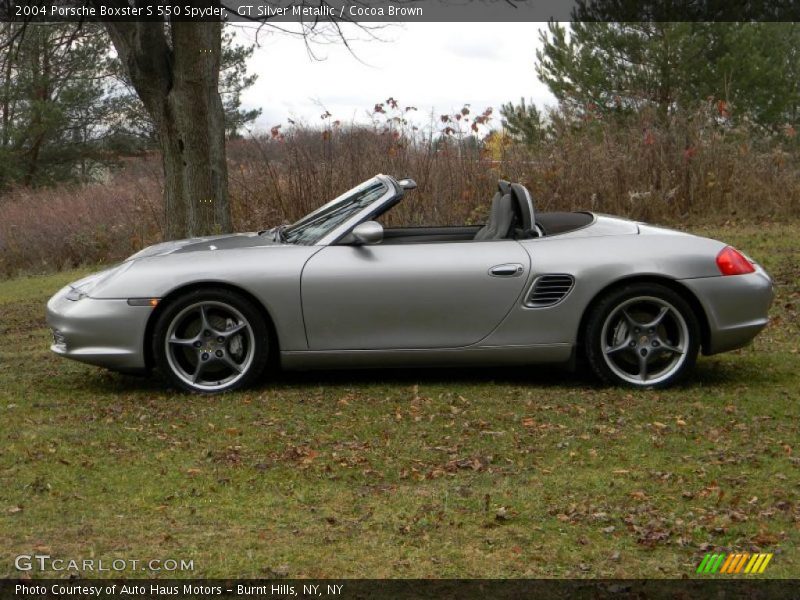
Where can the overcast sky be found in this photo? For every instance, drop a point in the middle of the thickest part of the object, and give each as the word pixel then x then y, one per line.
pixel 433 66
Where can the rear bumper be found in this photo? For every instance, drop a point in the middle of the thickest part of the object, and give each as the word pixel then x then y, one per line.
pixel 736 306
pixel 106 333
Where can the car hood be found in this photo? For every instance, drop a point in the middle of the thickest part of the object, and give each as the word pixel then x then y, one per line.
pixel 211 242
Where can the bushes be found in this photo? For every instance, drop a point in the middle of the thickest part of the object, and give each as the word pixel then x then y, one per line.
pixel 689 167
pixel 66 226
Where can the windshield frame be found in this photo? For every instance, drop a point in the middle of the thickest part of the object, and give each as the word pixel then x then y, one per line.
pixel 390 192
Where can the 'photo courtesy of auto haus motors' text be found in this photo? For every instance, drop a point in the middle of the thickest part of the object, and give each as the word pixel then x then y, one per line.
pixel 399 299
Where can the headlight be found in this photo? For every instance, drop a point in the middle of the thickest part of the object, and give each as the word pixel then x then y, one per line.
pixel 83 287
pixel 76 293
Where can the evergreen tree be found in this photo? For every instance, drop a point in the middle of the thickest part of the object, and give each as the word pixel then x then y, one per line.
pixel 523 122
pixel 68 111
pixel 622 67
pixel 54 103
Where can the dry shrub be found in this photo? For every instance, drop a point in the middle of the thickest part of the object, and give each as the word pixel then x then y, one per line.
pixel 286 175
pixel 689 167
pixel 67 226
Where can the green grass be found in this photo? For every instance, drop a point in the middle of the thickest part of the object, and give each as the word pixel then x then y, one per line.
pixel 406 473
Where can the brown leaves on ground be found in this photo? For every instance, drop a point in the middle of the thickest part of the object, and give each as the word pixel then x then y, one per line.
pixel 303 455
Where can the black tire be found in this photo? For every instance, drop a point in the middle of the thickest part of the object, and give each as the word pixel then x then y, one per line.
pixel 218 337
pixel 626 330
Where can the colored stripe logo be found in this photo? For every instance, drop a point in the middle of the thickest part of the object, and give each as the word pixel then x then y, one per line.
pixel 731 564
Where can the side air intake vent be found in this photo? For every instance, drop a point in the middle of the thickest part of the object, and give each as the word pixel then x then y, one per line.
pixel 549 290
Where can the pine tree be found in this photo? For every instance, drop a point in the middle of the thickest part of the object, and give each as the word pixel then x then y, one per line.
pixel 523 122
pixel 622 67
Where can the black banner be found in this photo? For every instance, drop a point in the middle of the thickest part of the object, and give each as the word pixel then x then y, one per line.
pixel 401 589
pixel 312 11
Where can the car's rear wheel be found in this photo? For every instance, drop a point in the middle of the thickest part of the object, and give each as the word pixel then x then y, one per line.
pixel 211 341
pixel 642 335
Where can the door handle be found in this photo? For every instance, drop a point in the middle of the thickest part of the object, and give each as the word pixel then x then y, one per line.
pixel 507 270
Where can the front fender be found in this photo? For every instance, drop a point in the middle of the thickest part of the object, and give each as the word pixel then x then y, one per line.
pixel 270 274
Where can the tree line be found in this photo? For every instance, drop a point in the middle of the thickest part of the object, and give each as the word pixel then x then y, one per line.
pixel 618 69
pixel 76 98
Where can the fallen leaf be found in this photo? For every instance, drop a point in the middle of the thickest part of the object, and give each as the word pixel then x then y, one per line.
pixel 765 538
pixel 280 571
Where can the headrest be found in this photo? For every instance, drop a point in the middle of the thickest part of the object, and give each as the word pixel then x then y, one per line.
pixel 524 204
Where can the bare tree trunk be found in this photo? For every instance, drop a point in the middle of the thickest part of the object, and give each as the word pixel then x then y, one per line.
pixel 6 101
pixel 41 96
pixel 178 84
pixel 196 110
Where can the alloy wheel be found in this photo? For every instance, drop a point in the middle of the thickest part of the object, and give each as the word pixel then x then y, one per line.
pixel 209 345
pixel 645 340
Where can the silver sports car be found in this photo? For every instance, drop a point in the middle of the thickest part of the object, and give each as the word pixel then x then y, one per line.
pixel 337 289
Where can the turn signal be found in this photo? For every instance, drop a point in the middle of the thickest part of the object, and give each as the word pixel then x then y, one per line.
pixel 732 262
pixel 143 301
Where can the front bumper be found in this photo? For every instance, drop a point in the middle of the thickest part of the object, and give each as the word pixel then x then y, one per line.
pixel 104 332
pixel 737 307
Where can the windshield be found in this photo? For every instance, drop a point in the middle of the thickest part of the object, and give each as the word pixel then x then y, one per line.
pixel 316 225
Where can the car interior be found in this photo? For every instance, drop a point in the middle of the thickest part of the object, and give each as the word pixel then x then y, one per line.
pixel 512 216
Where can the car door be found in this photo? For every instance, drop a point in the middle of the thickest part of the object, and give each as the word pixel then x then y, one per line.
pixel 426 295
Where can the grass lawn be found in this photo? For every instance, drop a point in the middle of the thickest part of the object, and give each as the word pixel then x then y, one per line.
pixel 481 473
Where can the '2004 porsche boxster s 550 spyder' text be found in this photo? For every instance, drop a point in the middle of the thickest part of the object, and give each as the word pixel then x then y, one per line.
pixel 337 289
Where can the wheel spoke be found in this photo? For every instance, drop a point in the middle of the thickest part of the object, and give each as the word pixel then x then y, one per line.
pixel 643 367
pixel 198 370
pixel 670 348
pixel 227 360
pixel 660 317
pixel 182 341
pixel 624 345
pixel 236 328
pixel 206 324
pixel 630 320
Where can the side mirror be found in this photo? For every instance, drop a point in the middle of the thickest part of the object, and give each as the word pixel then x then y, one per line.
pixel 407 184
pixel 368 232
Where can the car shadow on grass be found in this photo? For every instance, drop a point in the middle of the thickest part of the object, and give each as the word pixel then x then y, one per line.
pixel 106 382
pixel 534 375
pixel 718 371
pixel 709 372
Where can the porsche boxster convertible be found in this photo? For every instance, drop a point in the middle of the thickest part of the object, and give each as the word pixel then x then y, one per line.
pixel 636 303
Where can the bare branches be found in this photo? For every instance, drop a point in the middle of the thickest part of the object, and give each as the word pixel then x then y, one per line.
pixel 317 23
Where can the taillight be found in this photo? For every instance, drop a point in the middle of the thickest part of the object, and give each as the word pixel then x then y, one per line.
pixel 732 262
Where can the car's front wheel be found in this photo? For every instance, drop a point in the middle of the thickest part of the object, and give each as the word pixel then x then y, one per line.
pixel 211 341
pixel 642 335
